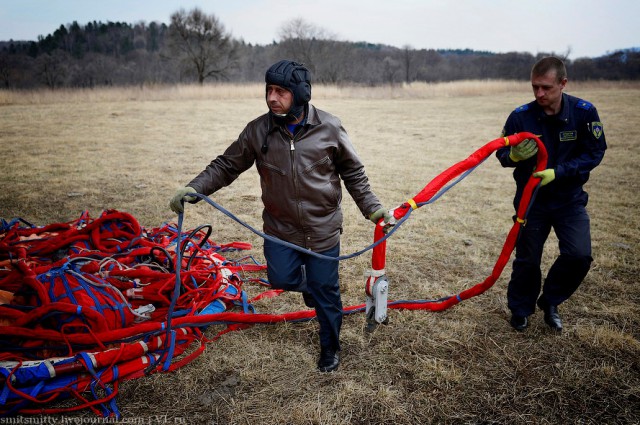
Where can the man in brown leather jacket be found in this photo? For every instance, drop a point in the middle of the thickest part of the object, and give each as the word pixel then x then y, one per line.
pixel 302 154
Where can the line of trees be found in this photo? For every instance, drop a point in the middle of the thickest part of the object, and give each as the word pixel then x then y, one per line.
pixel 195 47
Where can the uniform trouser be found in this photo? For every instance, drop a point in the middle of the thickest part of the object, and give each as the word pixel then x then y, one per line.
pixel 571 226
pixel 288 268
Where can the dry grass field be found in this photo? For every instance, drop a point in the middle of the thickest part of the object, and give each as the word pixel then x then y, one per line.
pixel 68 151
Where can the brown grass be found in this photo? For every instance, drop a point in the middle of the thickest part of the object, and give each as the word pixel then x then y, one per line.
pixel 128 149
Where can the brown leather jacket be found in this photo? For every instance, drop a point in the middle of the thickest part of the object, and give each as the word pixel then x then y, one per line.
pixel 299 175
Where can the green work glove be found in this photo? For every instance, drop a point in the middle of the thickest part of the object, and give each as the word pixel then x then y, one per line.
pixel 547 176
pixel 180 195
pixel 389 221
pixel 523 150
pixel 378 214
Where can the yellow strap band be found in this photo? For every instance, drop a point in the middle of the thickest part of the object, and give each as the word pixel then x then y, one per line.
pixel 506 141
pixel 520 220
pixel 413 204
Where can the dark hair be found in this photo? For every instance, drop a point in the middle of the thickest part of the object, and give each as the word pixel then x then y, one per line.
pixel 550 63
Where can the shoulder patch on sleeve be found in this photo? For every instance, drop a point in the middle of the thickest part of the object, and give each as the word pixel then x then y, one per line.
pixel 583 104
pixel 521 108
pixel 597 129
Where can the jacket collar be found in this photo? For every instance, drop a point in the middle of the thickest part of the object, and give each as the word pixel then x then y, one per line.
pixel 311 118
pixel 563 115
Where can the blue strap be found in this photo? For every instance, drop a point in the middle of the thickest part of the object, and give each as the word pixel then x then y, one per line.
pixel 246 306
pixel 171 349
pixel 4 394
pixel 315 254
pixel 108 391
pixel 289 244
pixel 170 333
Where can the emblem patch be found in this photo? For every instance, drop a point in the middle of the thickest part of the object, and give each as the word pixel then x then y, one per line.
pixel 567 136
pixel 597 129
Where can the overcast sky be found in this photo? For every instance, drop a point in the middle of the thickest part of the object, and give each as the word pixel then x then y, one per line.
pixel 584 27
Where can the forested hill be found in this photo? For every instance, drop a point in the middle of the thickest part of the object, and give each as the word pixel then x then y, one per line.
pixel 194 47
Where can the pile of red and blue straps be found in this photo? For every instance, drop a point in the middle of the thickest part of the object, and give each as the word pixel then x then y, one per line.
pixel 87 304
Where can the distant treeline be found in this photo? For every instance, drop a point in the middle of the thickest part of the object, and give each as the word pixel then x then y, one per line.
pixel 117 53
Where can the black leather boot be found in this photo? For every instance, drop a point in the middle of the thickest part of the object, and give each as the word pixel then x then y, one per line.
pixel 552 318
pixel 329 359
pixel 519 323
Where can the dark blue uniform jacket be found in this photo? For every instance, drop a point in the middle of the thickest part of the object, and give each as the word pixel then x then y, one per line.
pixel 575 142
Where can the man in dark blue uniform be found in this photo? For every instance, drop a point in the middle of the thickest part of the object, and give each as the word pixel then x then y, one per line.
pixel 573 136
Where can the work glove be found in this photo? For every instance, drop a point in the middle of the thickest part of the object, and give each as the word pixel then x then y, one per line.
pixel 181 195
pixel 389 220
pixel 547 176
pixel 523 150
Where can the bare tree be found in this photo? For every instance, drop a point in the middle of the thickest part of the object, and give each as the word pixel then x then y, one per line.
pixel 97 70
pixel 390 68
pixel 305 42
pixel 200 40
pixel 52 68
pixel 408 56
pixel 5 70
pixel 334 62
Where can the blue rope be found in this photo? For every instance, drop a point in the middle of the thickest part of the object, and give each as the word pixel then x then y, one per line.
pixel 450 185
pixel 170 334
pixel 315 254
pixel 176 292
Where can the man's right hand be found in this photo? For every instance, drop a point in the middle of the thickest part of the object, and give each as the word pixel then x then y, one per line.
pixel 182 194
pixel 523 150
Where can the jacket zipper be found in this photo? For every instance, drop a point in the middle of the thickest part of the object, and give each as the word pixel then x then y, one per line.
pixel 292 149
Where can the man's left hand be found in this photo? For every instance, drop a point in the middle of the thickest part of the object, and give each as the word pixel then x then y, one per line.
pixel 389 221
pixel 546 176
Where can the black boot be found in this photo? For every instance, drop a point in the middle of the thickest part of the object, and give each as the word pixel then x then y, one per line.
pixel 552 318
pixel 519 323
pixel 329 359
pixel 551 315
